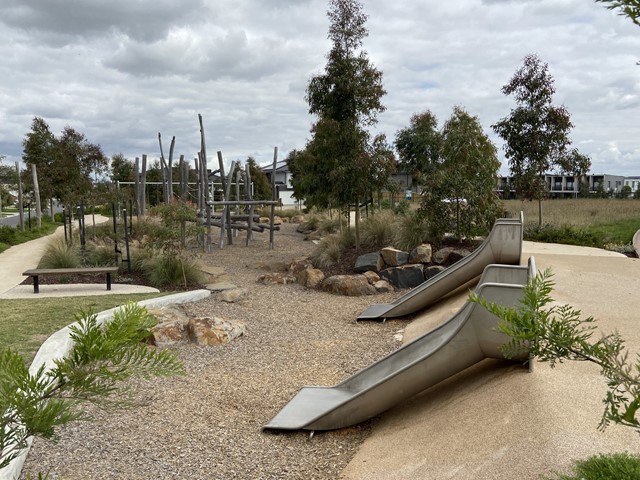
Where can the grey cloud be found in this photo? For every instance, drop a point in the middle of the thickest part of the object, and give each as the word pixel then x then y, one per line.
pixel 145 20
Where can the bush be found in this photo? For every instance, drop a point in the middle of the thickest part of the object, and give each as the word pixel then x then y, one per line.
pixel 378 230
pixel 566 234
pixel 328 252
pixel 171 271
pixel 410 231
pixel 606 467
pixel 100 253
pixel 58 254
pixel 7 234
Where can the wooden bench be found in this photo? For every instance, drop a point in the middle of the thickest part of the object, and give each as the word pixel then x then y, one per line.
pixel 38 272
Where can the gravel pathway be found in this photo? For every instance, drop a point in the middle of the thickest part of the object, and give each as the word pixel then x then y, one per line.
pixel 207 424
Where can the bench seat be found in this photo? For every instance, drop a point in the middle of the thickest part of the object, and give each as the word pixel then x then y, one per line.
pixel 38 272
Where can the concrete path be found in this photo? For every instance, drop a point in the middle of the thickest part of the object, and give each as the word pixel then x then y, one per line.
pixel 498 421
pixel 27 255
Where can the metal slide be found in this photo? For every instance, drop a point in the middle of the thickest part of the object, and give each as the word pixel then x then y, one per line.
pixel 464 340
pixel 503 246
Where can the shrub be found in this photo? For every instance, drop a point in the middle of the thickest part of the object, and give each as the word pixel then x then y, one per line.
pixel 100 253
pixel 605 467
pixel 58 254
pixel 172 271
pixel 566 234
pixel 7 234
pixel 410 231
pixel 329 225
pixel 378 230
pixel 328 251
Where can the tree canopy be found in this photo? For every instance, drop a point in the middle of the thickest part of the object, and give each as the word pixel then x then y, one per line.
pixel 65 164
pixel 536 132
pixel 341 163
pixel 627 8
pixel 457 167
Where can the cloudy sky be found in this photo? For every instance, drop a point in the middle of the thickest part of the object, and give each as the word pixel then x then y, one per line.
pixel 120 71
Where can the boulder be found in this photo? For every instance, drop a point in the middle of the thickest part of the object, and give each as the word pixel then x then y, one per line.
pixel 442 255
pixel 297 265
pixel 382 286
pixel 405 276
pixel 220 286
pixel 297 219
pixel 349 285
pixel 233 296
pixel 369 262
pixel 305 227
pixel 373 277
pixel 311 277
pixel 215 274
pixel 276 278
pixel 273 266
pixel 458 254
pixel 169 333
pixel 393 257
pixel 421 254
pixel 208 331
pixel 432 271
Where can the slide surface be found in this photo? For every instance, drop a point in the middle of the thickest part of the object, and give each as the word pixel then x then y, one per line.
pixel 503 245
pixel 465 339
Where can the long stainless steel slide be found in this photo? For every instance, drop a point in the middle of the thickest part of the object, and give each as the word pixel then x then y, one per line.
pixel 503 245
pixel 464 340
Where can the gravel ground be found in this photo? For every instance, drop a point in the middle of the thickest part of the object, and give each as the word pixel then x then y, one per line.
pixel 207 424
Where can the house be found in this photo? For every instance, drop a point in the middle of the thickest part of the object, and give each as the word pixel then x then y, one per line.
pixel 283 184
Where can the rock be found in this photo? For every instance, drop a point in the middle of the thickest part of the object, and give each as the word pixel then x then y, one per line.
pixel 432 271
pixel 442 255
pixel 215 274
pixel 276 278
pixel 305 227
pixel 297 219
pixel 405 276
pixel 449 255
pixel 349 285
pixel 369 262
pixel 372 277
pixel 285 220
pixel 299 264
pixel 273 266
pixel 276 220
pixel 264 220
pixel 310 277
pixel 382 286
pixel 168 333
pixel 458 254
pixel 219 287
pixel 207 331
pixel 421 254
pixel 393 257
pixel 232 296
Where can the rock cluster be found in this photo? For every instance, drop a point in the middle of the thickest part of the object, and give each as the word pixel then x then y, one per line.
pixel 408 269
pixel 175 326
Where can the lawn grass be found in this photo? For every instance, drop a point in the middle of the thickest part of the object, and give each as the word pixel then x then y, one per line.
pixel 10 236
pixel 26 323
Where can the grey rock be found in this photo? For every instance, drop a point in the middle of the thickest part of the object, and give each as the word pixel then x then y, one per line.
pixel 394 257
pixel 369 262
pixel 405 276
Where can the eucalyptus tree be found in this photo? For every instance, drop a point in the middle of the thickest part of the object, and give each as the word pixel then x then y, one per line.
pixel 346 99
pixel 626 8
pixel 536 132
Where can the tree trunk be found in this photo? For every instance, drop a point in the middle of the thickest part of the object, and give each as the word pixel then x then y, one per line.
pixel 357 223
pixel 36 191
pixel 20 200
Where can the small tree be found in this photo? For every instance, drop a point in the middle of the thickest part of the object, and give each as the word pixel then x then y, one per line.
pixel 536 133
pixel 101 358
pixel 261 185
pixel 419 146
pixel 553 334
pixel 346 99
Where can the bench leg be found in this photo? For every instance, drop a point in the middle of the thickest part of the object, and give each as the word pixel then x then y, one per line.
pixel 108 280
pixel 36 284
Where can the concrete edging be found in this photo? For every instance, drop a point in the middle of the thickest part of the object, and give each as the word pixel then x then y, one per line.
pixel 59 344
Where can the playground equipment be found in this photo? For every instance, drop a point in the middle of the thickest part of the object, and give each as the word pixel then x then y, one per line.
pixel 464 340
pixel 503 245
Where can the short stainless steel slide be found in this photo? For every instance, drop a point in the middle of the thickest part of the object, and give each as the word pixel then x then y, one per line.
pixel 464 340
pixel 503 245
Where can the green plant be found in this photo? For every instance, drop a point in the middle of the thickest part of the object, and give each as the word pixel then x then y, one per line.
pixel 378 230
pixel 605 467
pixel 171 270
pixel 553 334
pixel 328 251
pixel 58 254
pixel 100 359
pixel 100 253
pixel 410 231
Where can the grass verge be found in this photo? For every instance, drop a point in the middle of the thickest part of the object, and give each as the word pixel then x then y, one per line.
pixel 26 323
